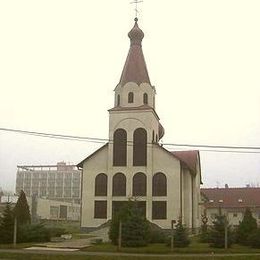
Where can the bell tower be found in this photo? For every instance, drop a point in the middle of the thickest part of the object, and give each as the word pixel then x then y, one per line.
pixel 133 122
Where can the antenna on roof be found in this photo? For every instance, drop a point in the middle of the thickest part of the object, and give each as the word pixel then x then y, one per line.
pixel 136 2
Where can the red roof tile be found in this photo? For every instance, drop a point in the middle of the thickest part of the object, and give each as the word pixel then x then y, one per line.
pixel 190 158
pixel 232 197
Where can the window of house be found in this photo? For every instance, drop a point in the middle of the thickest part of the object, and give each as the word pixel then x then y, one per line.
pixel 159 184
pixel 101 185
pixel 139 184
pixel 130 97
pixel 159 210
pixel 234 215
pixel 118 100
pixel 119 185
pixel 140 147
pixel 100 210
pixel 145 98
pixel 120 148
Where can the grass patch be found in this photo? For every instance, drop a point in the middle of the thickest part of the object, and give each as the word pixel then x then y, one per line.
pixel 25 256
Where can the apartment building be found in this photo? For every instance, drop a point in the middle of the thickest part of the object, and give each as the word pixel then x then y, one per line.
pixel 58 182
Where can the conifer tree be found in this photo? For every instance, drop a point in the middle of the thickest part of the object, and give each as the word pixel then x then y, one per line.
pixel 246 227
pixel 7 225
pixel 181 238
pixel 21 210
pixel 135 228
pixel 217 233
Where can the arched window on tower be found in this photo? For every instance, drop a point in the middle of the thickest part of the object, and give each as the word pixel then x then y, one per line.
pixel 119 185
pixel 118 100
pixel 159 184
pixel 130 97
pixel 101 185
pixel 120 148
pixel 153 136
pixel 140 147
pixel 145 98
pixel 139 184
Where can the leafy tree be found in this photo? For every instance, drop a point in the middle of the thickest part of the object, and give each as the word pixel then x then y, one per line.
pixel 7 225
pixel 180 236
pixel 246 227
pixel 217 233
pixel 22 211
pixel 135 228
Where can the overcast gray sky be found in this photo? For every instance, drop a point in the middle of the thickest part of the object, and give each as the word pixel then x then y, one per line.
pixel 60 61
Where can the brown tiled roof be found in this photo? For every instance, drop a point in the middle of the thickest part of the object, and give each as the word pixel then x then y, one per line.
pixel 190 158
pixel 135 69
pixel 232 197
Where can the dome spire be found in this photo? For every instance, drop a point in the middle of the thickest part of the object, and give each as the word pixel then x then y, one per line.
pixel 135 67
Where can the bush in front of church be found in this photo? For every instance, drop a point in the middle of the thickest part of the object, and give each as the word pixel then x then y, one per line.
pixel 180 235
pixel 135 228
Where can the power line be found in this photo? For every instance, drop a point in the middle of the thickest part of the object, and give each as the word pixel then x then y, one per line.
pixel 208 148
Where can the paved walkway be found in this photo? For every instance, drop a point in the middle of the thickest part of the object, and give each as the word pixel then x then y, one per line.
pixel 79 243
pixel 73 243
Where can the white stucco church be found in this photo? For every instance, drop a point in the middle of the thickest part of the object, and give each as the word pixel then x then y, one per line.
pixel 133 164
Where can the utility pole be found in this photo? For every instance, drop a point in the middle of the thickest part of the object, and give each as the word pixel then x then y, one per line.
pixel 15 231
pixel 120 236
pixel 226 232
pixel 172 234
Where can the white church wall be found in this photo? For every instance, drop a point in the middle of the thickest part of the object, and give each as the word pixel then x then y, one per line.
pixel 94 165
pixel 167 164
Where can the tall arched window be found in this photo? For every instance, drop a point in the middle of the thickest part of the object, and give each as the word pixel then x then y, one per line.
pixel 101 185
pixel 145 98
pixel 139 184
pixel 153 136
pixel 120 147
pixel 140 147
pixel 159 184
pixel 119 185
pixel 130 97
pixel 118 100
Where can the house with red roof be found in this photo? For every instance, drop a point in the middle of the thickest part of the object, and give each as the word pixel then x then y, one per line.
pixel 133 165
pixel 232 202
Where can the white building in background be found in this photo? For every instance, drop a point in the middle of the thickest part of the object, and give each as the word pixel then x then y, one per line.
pixel 45 209
pixel 166 184
pixel 57 182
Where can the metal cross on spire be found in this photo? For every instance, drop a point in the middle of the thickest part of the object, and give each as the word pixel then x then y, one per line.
pixel 136 2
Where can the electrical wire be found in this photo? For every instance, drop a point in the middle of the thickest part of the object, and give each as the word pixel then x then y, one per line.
pixel 203 147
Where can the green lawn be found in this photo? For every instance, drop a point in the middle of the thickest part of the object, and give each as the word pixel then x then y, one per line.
pixel 71 257
pixel 194 248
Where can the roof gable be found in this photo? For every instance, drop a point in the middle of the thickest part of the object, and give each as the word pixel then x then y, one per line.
pixel 80 165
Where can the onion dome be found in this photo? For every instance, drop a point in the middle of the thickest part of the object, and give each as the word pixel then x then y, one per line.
pixel 136 35
pixel 135 69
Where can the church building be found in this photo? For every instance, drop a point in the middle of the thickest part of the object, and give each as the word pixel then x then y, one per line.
pixel 133 165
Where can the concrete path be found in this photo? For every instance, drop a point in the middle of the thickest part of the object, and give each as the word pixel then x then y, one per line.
pixel 79 243
pixel 101 233
pixel 73 243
